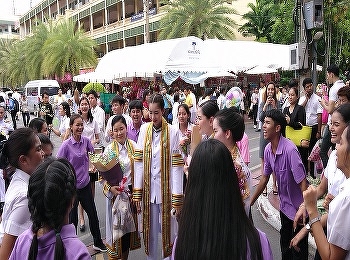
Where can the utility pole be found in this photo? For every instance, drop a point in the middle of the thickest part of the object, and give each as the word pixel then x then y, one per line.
pixel 146 14
pixel 13 7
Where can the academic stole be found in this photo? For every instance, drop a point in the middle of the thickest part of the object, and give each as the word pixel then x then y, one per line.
pixel 242 178
pixel 135 241
pixel 165 184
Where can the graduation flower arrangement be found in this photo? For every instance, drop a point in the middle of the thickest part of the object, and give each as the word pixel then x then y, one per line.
pixel 185 142
pixel 123 221
pixel 109 166
pixel 234 97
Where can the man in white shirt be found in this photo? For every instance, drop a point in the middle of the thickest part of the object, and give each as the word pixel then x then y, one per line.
pixel 221 100
pixel 97 112
pixel 313 109
pixel 118 103
pixel 330 105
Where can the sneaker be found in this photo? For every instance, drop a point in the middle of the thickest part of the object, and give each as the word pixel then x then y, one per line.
pixel 254 126
pixel 99 247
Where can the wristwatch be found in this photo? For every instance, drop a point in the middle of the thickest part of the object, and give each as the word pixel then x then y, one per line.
pixel 312 221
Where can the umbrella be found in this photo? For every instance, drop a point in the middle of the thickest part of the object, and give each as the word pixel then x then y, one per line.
pixel 98 87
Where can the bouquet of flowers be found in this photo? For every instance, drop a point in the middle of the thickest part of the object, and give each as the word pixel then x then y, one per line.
pixel 185 142
pixel 234 97
pixel 123 221
pixel 109 166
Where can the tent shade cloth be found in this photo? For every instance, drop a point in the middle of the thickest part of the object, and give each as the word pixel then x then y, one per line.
pixel 93 77
pixel 260 70
pixel 187 58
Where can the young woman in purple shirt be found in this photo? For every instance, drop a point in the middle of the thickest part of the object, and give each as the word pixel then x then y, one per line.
pixel 75 150
pixel 51 195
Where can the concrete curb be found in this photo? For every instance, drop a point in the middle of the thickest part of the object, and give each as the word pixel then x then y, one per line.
pixel 272 216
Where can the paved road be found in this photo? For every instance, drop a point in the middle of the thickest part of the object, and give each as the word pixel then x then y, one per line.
pixel 272 234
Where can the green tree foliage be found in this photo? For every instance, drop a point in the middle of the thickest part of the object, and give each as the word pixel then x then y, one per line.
pixel 67 50
pixel 260 20
pixel 200 18
pixel 33 47
pixel 55 48
pixel 337 32
pixel 283 30
pixel 12 57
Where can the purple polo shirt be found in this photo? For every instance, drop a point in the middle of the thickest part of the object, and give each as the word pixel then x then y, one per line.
pixel 77 154
pixel 74 248
pixel 133 133
pixel 289 171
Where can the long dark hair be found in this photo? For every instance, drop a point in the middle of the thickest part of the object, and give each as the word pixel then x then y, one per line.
pixel 228 119
pixel 274 92
pixel 19 143
pixel 66 108
pixel 89 114
pixel 157 98
pixel 51 190
pixel 209 108
pixel 37 124
pixel 213 222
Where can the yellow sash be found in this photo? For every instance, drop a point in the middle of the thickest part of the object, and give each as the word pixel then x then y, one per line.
pixel 165 184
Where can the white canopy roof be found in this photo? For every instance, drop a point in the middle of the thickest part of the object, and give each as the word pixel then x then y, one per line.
pixel 188 54
pixel 146 59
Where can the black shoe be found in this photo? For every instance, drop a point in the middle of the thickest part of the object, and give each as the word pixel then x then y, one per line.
pixel 82 228
pixel 257 130
pixel 99 246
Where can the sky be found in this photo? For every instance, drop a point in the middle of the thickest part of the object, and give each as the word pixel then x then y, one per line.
pixel 21 7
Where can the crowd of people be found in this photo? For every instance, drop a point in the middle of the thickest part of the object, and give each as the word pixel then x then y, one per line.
pixel 197 195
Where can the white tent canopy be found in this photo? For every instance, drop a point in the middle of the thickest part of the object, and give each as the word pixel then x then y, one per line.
pixel 260 70
pixel 93 77
pixel 146 59
pixel 187 56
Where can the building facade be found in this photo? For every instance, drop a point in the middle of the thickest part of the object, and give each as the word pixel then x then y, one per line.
pixel 9 28
pixel 113 24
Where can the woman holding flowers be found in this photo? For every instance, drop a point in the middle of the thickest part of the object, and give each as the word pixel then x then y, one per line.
pixel 123 149
pixel 185 128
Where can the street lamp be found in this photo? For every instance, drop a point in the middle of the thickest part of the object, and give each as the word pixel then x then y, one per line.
pixel 317 36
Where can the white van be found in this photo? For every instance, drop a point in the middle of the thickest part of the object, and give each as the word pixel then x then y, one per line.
pixel 33 90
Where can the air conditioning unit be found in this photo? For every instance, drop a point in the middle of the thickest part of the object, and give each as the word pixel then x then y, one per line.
pixel 298 56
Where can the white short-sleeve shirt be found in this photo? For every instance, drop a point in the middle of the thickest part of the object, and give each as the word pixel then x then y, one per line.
pixel 338 225
pixel 334 176
pixel 16 216
pixel 312 108
pixel 90 129
pixel 333 94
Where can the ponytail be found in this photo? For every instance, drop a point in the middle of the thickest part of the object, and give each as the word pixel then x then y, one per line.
pixel 59 247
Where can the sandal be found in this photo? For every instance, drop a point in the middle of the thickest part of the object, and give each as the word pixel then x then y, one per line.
pixel 274 192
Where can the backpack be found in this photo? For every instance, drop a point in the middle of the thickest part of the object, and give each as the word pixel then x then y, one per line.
pixel 15 105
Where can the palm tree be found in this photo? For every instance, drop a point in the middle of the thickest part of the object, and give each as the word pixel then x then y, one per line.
pixel 201 18
pixel 34 45
pixel 12 58
pixel 260 21
pixel 67 49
